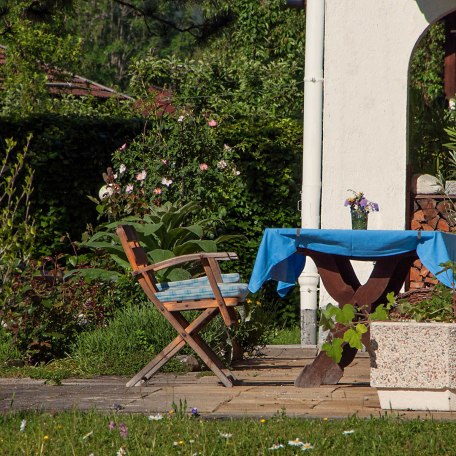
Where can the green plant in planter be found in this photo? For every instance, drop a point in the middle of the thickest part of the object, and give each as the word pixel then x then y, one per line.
pixel 348 323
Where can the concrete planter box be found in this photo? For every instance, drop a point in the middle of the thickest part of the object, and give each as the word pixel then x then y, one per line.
pixel 413 365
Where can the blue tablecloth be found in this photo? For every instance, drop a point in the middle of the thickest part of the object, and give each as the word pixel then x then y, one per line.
pixel 277 258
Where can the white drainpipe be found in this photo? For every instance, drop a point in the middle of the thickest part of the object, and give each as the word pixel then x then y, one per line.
pixel 312 159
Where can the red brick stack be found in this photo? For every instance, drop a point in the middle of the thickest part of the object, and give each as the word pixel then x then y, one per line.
pixel 430 213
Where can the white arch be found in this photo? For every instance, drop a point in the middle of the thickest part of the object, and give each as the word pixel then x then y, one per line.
pixel 368 45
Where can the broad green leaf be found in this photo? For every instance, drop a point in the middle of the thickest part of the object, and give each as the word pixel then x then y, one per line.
pixel 361 328
pixel 121 262
pixel 158 255
pixel 333 349
pixel 380 313
pixel 177 274
pixel 346 314
pixel 353 338
pixel 196 246
pixel 326 322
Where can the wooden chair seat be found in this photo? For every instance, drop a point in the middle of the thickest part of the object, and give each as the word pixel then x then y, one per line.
pixel 214 294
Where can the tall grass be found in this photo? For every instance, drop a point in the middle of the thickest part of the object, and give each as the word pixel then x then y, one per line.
pixel 133 336
pixel 78 433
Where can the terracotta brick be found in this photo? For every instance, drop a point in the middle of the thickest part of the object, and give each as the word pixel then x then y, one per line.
pixel 434 221
pixel 419 216
pixel 442 225
pixel 415 225
pixel 415 275
pixel 424 271
pixel 431 279
pixel 443 206
pixel 430 214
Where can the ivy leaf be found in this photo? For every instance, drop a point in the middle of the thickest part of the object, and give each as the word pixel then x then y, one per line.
pixel 333 349
pixel 353 336
pixel 326 321
pixel 380 313
pixel 346 314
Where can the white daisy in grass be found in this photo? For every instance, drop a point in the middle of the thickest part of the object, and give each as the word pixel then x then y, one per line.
pixel 276 446
pixel 351 431
pixel 225 435
pixel 306 446
pixel 295 442
pixel 156 417
pixel 23 425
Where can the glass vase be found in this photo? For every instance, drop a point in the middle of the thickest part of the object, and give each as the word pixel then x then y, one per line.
pixel 359 220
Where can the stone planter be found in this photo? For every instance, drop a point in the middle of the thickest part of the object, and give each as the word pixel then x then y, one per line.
pixel 413 365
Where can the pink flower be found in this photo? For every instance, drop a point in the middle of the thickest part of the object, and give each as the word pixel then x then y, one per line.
pixel 123 146
pixel 212 123
pixel 157 191
pixel 123 430
pixel 129 188
pixel 141 176
pixel 165 162
pixel 203 166
pixel 166 181
pixel 111 425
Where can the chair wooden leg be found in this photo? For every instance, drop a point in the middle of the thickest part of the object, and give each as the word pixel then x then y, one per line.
pixel 158 362
pixel 172 348
pixel 207 355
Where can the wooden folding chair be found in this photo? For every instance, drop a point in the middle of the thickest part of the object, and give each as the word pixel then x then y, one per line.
pixel 216 293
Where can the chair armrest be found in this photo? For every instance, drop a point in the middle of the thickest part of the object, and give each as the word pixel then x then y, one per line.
pixel 218 256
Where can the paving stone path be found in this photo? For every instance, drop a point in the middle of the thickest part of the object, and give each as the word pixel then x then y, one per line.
pixel 266 389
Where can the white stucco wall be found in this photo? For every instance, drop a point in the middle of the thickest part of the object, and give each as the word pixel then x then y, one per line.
pixel 368 44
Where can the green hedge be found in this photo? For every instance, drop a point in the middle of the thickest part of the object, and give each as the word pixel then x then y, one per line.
pixel 68 155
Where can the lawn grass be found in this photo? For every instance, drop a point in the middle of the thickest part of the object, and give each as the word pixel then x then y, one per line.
pixel 286 336
pixel 92 433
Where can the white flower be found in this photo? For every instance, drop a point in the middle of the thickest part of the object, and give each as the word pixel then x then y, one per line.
pixel 295 442
pixel 351 431
pixel 306 446
pixel 105 192
pixel 121 452
pixel 141 176
pixel 222 164
pixel 23 424
pixel 166 181
pixel 129 188
pixel 226 147
pixel 122 168
pixel 156 417
pixel 276 446
pixel 181 118
pixel 225 435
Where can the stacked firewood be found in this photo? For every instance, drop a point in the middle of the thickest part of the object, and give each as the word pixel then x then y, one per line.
pixel 430 213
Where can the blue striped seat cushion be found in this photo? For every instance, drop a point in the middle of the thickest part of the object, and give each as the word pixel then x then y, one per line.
pixel 228 290
pixel 227 278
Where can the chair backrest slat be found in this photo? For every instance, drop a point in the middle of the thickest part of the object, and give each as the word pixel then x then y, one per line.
pixel 136 254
